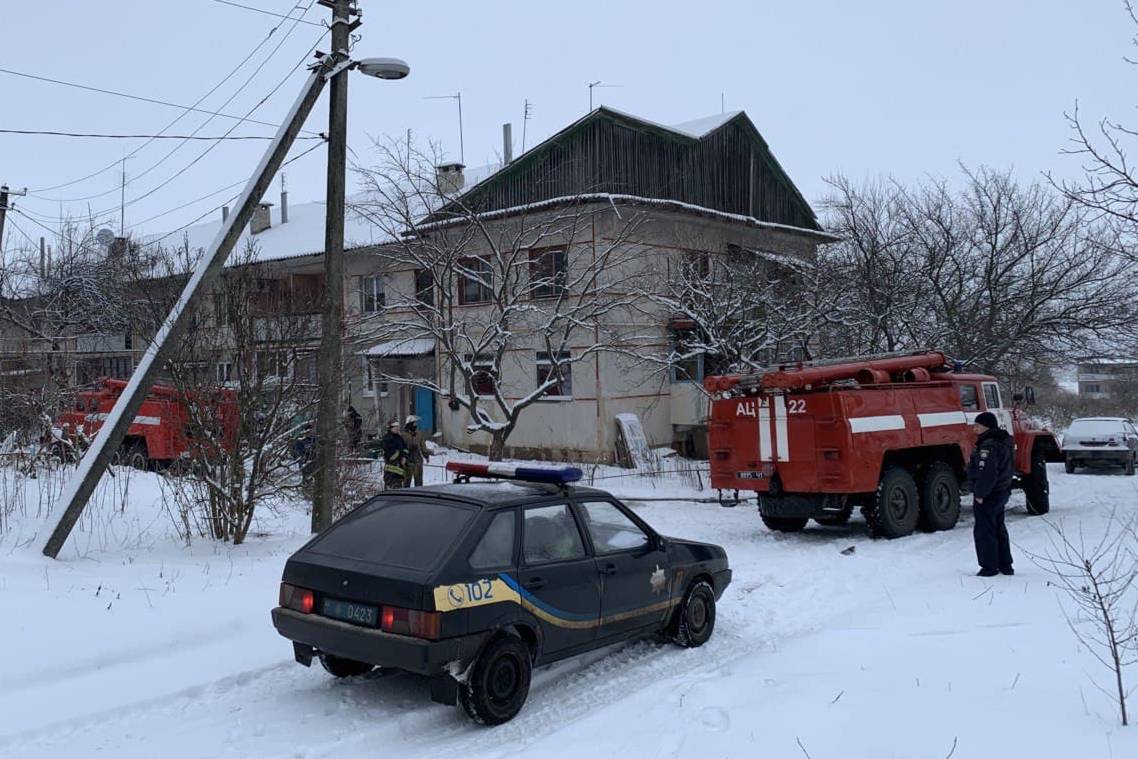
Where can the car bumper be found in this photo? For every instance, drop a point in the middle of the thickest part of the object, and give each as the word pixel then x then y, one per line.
pixel 323 635
pixel 1106 457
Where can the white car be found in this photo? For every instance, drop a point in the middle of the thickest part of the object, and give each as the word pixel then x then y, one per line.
pixel 1101 441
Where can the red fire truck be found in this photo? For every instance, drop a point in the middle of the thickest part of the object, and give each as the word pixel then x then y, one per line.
pixel 889 434
pixel 161 431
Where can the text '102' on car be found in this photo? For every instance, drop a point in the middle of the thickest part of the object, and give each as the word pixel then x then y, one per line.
pixel 473 584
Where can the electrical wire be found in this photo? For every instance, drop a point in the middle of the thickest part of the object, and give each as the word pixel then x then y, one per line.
pixel 53 133
pixel 201 126
pixel 262 10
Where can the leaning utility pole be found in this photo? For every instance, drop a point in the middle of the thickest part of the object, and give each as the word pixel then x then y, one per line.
pixel 330 358
pixel 166 339
pixel 4 192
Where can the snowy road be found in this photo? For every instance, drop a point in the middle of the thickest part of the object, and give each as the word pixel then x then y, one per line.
pixel 893 650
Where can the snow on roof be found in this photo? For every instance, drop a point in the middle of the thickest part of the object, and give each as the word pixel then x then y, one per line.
pixel 301 235
pixel 411 346
pixel 700 127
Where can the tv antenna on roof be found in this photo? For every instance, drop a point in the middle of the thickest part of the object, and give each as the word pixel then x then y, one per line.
pixel 457 97
pixel 597 83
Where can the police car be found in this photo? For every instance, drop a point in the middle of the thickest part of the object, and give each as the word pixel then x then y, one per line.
pixel 475 583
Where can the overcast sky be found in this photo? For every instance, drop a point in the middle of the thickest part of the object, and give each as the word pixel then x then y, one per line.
pixel 878 87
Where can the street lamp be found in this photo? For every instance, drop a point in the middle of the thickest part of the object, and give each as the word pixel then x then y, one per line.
pixel 384 68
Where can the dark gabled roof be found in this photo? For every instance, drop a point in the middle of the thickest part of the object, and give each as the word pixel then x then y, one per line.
pixel 686 134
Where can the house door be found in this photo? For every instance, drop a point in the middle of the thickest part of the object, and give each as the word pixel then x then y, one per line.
pixel 423 407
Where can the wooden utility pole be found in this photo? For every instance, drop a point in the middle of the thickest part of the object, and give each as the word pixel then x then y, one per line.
pixel 4 193
pixel 330 358
pixel 166 340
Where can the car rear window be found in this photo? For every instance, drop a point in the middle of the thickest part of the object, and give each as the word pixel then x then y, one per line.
pixel 414 534
pixel 1092 427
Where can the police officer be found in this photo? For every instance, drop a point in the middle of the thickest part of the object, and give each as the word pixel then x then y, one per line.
pixel 394 456
pixel 417 451
pixel 990 474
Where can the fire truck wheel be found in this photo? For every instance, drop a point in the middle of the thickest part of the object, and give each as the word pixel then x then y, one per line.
pixel 940 498
pixel 896 511
pixel 784 524
pixel 1035 487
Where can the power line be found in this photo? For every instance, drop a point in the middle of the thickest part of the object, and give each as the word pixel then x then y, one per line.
pixel 100 135
pixel 140 98
pixel 201 126
pixel 267 13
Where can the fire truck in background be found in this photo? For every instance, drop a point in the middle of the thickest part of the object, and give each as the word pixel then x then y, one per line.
pixel 889 434
pixel 161 433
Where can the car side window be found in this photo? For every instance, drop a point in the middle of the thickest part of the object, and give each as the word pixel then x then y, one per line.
pixel 496 548
pixel 610 529
pixel 991 395
pixel 551 534
pixel 968 399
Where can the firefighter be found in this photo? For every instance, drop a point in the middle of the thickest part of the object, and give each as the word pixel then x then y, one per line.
pixel 990 474
pixel 417 451
pixel 394 456
pixel 355 424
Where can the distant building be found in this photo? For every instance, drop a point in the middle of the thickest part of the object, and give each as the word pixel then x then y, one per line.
pixel 1108 378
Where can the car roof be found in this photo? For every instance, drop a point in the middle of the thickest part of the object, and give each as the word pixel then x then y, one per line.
pixel 1101 419
pixel 494 493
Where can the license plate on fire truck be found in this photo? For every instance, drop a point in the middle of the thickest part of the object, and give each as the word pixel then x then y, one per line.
pixel 750 475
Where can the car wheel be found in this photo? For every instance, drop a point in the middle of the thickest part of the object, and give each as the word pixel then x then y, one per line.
pixel 1036 489
pixel 895 509
pixel 1069 465
pixel 339 667
pixel 940 498
pixel 784 524
pixel 695 619
pixel 499 682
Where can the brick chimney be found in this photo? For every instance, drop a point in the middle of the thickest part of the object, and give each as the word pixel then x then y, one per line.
pixel 449 178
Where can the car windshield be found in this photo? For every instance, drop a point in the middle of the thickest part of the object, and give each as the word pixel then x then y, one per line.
pixel 412 533
pixel 1095 428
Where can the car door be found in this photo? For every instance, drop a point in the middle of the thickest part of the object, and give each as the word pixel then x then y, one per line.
pixel 634 571
pixel 994 403
pixel 557 579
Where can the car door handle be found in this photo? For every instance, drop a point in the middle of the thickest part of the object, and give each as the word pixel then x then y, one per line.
pixel 608 569
pixel 535 583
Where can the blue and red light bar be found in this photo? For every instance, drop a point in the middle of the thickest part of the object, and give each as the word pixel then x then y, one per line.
pixel 561 475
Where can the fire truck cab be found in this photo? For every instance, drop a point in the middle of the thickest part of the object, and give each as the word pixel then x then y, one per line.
pixel 888 434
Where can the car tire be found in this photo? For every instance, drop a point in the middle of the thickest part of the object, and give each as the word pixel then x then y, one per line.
pixel 1036 489
pixel 1130 466
pixel 784 524
pixel 895 510
pixel 338 666
pixel 940 498
pixel 1069 465
pixel 695 617
pixel 498 683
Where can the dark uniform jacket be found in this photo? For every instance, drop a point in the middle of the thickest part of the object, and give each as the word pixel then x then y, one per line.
pixel 991 467
pixel 394 452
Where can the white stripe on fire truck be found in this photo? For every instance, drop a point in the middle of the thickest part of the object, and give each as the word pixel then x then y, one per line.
pixel 780 431
pixel 942 418
pixel 149 420
pixel 877 423
pixel 764 430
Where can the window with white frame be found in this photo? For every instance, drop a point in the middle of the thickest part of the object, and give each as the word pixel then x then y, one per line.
pixel 224 372
pixel 371 294
pixel 373 382
pixel 561 375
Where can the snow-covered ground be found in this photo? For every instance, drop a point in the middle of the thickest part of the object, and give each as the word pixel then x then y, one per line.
pixel 134 645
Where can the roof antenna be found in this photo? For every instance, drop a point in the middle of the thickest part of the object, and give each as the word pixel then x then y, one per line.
pixel 525 118
pixel 722 102
pixel 597 83
pixel 457 97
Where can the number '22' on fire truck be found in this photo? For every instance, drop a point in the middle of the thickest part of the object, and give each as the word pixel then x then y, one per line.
pixel 888 434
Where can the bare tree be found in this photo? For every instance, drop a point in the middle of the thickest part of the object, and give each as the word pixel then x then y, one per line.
pixel 738 310
pixel 250 387
pixel 1099 581
pixel 555 278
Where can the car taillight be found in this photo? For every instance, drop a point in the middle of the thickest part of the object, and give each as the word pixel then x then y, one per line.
pixel 297 599
pixel 420 624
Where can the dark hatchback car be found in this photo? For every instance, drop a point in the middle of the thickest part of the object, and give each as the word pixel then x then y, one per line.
pixel 475 583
